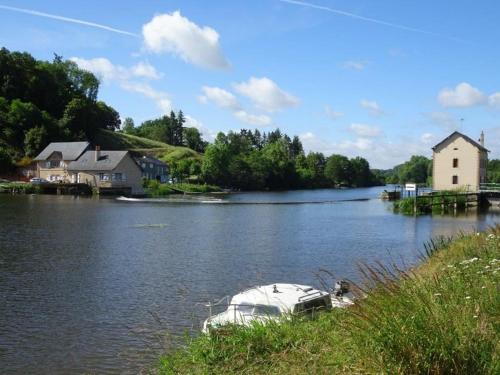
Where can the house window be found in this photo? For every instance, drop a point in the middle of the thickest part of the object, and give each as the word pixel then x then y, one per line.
pixel 455 163
pixel 143 165
pixel 117 177
pixel 103 177
pixel 151 165
pixel 454 180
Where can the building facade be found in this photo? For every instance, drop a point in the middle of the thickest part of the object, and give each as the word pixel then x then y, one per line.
pixel 152 168
pixel 459 162
pixel 52 163
pixel 113 172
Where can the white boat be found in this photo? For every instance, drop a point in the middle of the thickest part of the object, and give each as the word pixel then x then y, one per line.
pixel 272 302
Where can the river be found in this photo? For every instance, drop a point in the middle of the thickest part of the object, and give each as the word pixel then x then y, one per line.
pixel 93 285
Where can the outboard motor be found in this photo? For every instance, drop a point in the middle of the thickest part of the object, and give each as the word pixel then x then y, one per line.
pixel 341 287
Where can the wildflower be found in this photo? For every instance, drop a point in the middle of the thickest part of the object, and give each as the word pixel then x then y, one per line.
pixel 486 267
pixel 483 287
pixel 475 316
pixel 450 266
pixel 437 294
pixel 491 236
pixel 478 234
pixel 468 297
pixel 471 260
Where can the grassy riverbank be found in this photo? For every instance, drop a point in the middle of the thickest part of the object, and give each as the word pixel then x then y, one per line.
pixel 156 189
pixel 19 188
pixel 439 318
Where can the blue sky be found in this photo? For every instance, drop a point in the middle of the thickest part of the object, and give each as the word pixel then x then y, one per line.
pixel 379 79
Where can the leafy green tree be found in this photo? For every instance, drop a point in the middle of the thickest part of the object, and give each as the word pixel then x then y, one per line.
pixel 414 170
pixel 6 163
pixel 35 141
pixel 193 140
pixel 128 126
pixel 361 174
pixel 338 170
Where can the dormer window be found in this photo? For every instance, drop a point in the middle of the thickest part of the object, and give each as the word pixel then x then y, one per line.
pixel 455 163
pixel 455 148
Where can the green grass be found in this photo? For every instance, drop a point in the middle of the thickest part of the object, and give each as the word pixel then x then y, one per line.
pixel 109 140
pixel 441 317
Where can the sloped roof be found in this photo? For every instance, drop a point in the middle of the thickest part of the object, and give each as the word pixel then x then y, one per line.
pixel 149 159
pixel 468 139
pixel 69 150
pixel 108 160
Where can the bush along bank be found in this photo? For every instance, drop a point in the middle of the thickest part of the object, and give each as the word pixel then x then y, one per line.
pixel 438 318
pixel 444 201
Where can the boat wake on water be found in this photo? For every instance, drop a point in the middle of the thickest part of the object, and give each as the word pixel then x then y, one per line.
pixel 208 200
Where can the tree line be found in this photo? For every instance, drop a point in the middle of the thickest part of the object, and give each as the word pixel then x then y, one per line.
pixel 253 161
pixel 42 101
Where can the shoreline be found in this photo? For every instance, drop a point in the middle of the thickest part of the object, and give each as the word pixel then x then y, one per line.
pixel 437 316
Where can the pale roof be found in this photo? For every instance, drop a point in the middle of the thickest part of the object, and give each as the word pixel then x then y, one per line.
pixel 468 139
pixel 108 160
pixel 69 150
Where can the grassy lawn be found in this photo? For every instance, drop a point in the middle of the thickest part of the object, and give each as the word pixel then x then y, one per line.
pixel 109 140
pixel 439 318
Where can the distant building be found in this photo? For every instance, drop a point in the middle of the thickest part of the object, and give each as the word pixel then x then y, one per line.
pixel 152 168
pixel 112 172
pixel 459 162
pixel 52 163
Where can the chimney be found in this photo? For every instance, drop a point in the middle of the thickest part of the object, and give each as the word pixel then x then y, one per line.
pixel 97 153
pixel 481 139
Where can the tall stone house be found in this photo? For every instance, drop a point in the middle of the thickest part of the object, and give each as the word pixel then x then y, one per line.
pixel 459 162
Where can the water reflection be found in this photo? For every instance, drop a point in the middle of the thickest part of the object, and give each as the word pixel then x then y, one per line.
pixel 93 285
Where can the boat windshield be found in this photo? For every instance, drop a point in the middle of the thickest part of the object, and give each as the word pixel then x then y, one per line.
pixel 267 310
pixel 314 304
pixel 262 310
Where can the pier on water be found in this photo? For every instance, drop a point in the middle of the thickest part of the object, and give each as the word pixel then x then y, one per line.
pixel 488 194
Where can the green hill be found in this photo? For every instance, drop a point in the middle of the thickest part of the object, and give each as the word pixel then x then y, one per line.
pixel 109 140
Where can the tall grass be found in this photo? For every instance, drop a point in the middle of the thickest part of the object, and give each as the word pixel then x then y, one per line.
pixel 441 317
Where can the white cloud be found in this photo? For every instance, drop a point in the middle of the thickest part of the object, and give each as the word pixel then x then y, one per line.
pixel 220 97
pixel 363 130
pixel 161 98
pixel 225 99
pixel 176 34
pixel 146 70
pixel 428 138
pixel 266 94
pixel 109 73
pixel 257 120
pixel 372 107
pixel 355 65
pixel 463 95
pixel 494 100
pixel 444 120
pixel 333 114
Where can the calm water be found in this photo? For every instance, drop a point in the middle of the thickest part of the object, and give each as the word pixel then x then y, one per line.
pixel 100 286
